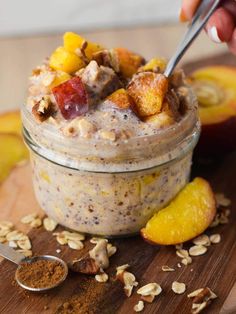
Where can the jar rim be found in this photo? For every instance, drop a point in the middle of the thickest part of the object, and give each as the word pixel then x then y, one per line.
pixel 124 155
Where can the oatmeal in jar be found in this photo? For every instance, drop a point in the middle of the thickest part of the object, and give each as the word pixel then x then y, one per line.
pixel 111 138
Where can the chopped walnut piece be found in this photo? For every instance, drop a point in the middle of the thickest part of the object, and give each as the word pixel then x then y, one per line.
pixel 48 78
pixel 100 255
pixel 86 265
pixel 43 109
pixel 197 250
pixel 107 58
pixel 121 268
pixel 201 298
pixel 127 278
pixel 139 306
pixel 111 250
pixel 178 287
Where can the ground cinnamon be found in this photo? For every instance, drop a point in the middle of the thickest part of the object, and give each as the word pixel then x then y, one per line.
pixel 41 273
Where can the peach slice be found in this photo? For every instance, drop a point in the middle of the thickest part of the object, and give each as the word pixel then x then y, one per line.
pixel 73 41
pixel 147 89
pixel 13 150
pixel 155 65
pixel 128 61
pixel 120 99
pixel 187 216
pixel 215 87
pixel 65 61
pixel 10 122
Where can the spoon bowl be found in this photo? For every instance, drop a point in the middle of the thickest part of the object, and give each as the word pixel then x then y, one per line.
pixel 37 258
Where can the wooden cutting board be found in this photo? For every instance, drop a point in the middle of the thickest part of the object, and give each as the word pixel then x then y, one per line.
pixel 82 294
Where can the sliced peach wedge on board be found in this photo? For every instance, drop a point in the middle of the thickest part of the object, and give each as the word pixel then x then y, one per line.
pixel 215 87
pixel 187 216
pixel 10 122
pixel 13 151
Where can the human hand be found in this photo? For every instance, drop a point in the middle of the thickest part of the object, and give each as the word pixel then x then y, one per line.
pixel 221 26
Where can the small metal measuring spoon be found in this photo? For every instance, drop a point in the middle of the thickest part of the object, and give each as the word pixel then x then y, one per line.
pixel 19 258
pixel 200 18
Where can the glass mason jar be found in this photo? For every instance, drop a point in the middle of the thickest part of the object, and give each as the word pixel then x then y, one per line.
pixel 109 188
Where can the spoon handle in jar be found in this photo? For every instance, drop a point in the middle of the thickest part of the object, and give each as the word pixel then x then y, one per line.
pixel 10 254
pixel 200 18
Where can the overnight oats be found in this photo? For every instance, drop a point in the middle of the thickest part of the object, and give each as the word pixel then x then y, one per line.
pixel 111 139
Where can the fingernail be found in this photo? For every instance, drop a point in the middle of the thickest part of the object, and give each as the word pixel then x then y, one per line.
pixel 213 34
pixel 182 16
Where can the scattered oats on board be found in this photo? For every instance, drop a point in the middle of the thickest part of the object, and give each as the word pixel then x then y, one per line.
pixel 120 269
pixel 222 200
pixel 103 277
pixel 95 240
pixel 75 244
pixel 167 268
pixel 197 250
pixel 73 235
pixel 49 224
pixel 152 289
pixel 29 218
pixel 182 253
pixel 215 238
pixel 58 251
pixel 111 250
pixel 36 223
pixel 186 261
pixel 203 239
pixel 24 244
pixel 178 287
pixel 6 225
pixel 139 306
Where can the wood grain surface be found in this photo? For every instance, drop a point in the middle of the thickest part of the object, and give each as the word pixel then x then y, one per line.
pixel 216 269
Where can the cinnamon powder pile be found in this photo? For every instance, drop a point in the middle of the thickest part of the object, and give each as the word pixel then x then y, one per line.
pixel 40 273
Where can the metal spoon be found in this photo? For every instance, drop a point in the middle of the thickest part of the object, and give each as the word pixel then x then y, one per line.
pixel 200 18
pixel 19 258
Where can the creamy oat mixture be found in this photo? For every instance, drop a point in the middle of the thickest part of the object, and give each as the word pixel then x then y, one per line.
pixel 117 103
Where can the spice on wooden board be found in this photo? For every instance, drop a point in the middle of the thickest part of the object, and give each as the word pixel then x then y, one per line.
pixel 41 273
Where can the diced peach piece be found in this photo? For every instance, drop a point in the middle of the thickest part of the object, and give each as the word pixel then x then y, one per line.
pixel 187 216
pixel 13 150
pixel 10 122
pixel 162 119
pixel 154 65
pixel 60 78
pixel 215 87
pixel 66 61
pixel 120 99
pixel 128 61
pixel 147 90
pixel 74 41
